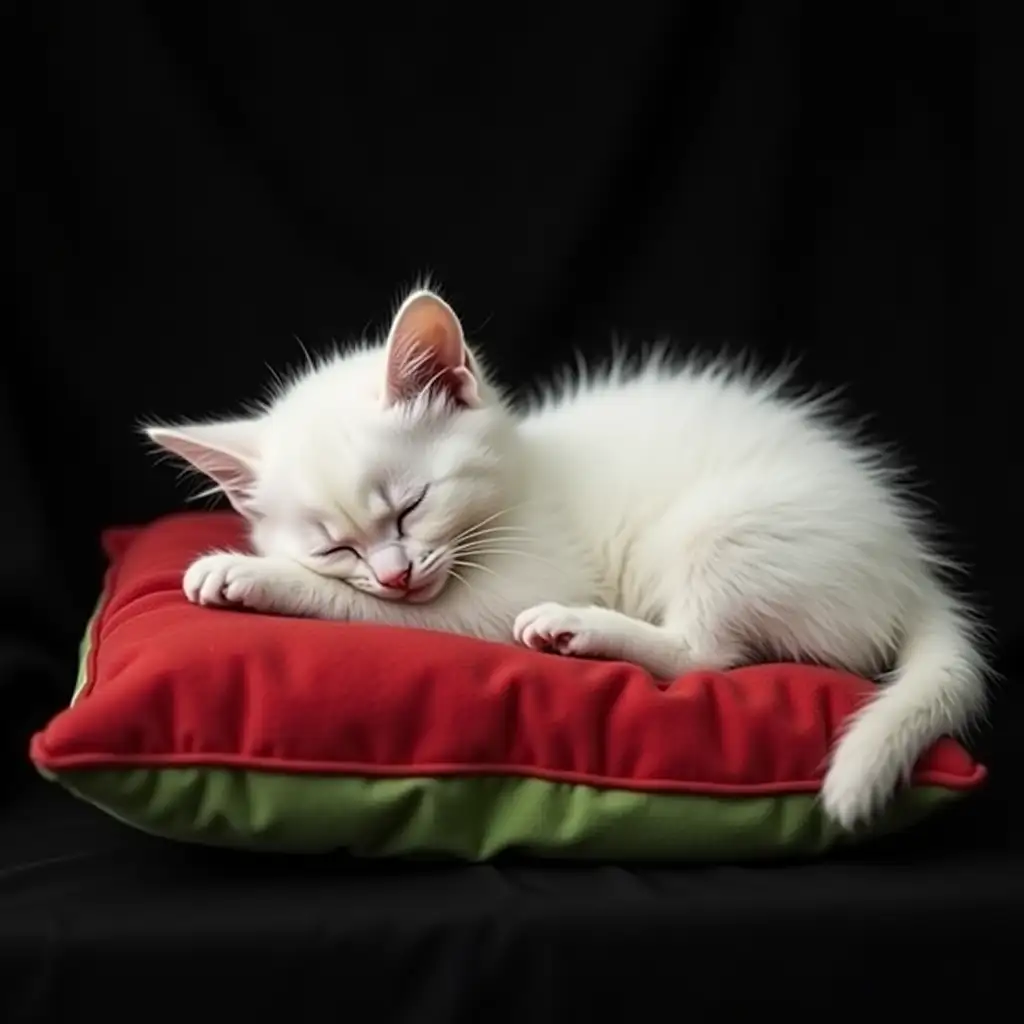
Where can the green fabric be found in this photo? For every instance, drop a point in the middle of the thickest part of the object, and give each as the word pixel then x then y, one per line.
pixel 470 818
pixel 84 649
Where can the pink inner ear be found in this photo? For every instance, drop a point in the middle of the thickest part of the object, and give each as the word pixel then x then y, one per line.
pixel 426 350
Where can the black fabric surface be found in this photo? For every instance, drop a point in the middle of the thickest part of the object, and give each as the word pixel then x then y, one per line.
pixel 197 189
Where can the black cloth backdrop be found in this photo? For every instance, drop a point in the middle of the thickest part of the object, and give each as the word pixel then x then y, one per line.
pixel 198 189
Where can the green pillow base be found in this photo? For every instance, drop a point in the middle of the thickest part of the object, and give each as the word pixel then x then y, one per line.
pixel 472 818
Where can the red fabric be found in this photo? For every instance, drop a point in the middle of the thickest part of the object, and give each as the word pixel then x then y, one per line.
pixel 175 684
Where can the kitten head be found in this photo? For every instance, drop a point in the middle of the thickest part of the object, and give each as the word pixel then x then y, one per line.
pixel 378 466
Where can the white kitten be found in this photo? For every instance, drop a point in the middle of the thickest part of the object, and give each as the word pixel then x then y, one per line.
pixel 677 518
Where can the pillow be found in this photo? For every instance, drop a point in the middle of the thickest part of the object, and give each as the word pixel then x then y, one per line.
pixel 235 729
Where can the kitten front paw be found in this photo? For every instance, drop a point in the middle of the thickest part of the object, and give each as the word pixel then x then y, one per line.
pixel 222 580
pixel 555 629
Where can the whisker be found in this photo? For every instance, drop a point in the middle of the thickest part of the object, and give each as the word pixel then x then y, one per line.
pixel 462 579
pixel 490 531
pixel 517 554
pixel 475 565
pixel 511 543
pixel 477 530
pixel 494 538
pixel 492 517
pixel 435 556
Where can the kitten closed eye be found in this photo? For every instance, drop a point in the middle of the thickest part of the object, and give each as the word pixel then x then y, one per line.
pixel 408 510
pixel 337 549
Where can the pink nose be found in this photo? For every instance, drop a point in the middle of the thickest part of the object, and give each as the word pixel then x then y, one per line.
pixel 397 580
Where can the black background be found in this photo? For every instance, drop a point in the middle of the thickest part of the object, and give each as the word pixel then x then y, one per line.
pixel 196 188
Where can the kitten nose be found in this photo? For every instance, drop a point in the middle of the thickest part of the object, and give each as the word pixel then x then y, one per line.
pixel 397 579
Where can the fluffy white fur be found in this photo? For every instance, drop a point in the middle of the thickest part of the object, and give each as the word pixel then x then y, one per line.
pixel 676 517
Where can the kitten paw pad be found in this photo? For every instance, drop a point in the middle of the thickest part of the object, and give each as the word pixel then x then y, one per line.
pixel 554 629
pixel 223 580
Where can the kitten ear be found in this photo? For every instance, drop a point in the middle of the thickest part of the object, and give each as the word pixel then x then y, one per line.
pixel 226 451
pixel 426 349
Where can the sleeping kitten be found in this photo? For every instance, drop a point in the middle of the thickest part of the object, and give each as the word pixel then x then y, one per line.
pixel 677 518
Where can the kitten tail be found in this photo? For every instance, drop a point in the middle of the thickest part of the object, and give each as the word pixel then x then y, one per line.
pixel 937 689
